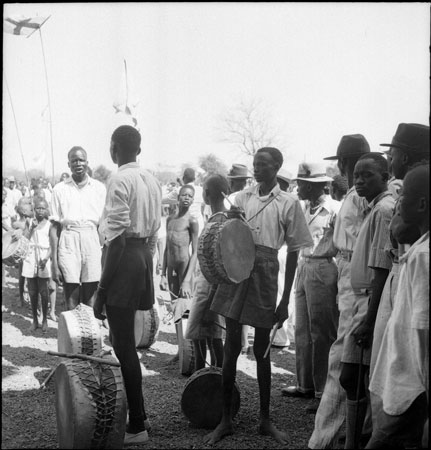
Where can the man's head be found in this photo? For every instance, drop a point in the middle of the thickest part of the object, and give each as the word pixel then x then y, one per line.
pixel 339 187
pixel 189 175
pixel 12 182
pixel 125 144
pixel 77 162
pixel 410 145
pixel 186 196
pixel 214 187
pixel 266 163
pixel 414 202
pixel 311 180
pixel 238 176
pixel 41 208
pixel 371 175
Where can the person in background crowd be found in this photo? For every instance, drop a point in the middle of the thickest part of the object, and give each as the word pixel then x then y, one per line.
pixel 394 184
pixel 64 176
pixel 275 218
pixel 400 380
pixel 204 326
pixel 238 176
pixel 24 189
pixel 339 187
pixel 36 267
pixel 331 412
pixel 413 139
pixel 370 268
pixel 47 191
pixel 131 218
pixel 316 287
pixel 77 206
pixel 6 224
pixel 13 193
pixel 197 207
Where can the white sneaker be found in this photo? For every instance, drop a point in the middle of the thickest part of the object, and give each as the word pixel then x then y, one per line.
pixel 136 438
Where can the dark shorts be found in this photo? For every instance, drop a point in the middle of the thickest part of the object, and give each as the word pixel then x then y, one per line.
pixel 132 285
pixel 253 301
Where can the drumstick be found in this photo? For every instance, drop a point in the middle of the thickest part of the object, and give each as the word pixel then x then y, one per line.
pixel 43 385
pixel 274 330
pixel 231 204
pixel 86 357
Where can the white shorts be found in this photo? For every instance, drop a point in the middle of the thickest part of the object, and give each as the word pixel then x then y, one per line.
pixel 80 255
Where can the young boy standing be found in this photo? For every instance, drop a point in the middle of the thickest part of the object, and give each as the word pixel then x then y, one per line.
pixel 400 380
pixel 34 267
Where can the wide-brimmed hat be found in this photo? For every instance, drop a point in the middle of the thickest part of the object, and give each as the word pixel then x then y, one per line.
pixel 284 175
pixel 351 145
pixel 238 171
pixel 413 137
pixel 312 172
pixel 11 178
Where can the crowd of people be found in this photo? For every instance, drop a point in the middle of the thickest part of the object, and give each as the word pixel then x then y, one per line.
pixel 347 255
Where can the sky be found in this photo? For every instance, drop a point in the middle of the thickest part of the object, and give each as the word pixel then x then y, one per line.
pixel 320 70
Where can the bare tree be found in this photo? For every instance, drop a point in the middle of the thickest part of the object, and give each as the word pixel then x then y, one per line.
pixel 211 164
pixel 248 125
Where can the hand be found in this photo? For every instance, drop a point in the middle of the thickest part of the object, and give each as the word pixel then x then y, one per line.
pixel 281 314
pixel 164 283
pixel 185 290
pixel 363 335
pixel 99 304
pixel 56 274
pixel 16 235
pixel 42 264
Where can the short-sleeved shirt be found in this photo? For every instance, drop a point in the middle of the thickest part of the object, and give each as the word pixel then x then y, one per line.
pixel 370 248
pixel 321 226
pixel 133 204
pixel 402 367
pixel 349 220
pixel 78 205
pixel 275 219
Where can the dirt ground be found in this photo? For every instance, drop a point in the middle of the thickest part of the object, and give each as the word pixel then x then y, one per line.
pixel 29 414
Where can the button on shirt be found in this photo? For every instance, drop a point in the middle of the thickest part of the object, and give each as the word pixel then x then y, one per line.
pixel 133 204
pixel 321 226
pixel 402 366
pixel 281 220
pixel 349 220
pixel 373 238
pixel 71 204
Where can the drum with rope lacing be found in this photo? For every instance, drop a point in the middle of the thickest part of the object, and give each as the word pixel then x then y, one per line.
pixel 14 252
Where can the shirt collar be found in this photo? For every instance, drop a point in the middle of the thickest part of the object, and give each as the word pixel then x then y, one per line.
pixel 404 258
pixel 130 165
pixel 376 200
pixel 70 180
pixel 274 192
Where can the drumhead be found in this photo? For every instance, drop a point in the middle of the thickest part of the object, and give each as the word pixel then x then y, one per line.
pixel 146 327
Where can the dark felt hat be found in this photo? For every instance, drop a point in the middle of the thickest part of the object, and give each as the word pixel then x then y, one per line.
pixel 350 146
pixel 413 137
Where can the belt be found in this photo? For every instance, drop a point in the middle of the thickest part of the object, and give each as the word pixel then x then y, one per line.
pixel 78 227
pixel 136 240
pixel 317 258
pixel 346 254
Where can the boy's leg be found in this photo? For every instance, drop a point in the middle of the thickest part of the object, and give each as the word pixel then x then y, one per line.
pixel 121 325
pixel 34 298
pixel 261 342
pixel 86 292
pixel 232 349
pixel 52 299
pixel 71 292
pixel 43 284
pixel 200 348
pixel 216 348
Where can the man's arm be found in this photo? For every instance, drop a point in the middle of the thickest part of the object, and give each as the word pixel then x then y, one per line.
pixel 54 234
pixel 364 333
pixel 163 281
pixel 281 313
pixel 186 285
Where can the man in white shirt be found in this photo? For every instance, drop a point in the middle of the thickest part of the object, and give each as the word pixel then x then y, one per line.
pixel 13 193
pixel 77 206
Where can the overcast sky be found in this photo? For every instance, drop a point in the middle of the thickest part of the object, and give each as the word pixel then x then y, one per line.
pixel 322 70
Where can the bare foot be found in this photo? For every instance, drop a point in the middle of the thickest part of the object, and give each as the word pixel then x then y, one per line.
pixel 266 428
pixel 44 326
pixel 223 429
pixel 34 326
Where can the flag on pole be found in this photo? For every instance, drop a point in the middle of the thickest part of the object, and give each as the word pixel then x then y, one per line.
pixel 124 103
pixel 23 26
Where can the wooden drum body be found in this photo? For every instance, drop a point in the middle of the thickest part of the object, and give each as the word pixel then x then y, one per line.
pixel 226 251
pixel 186 350
pixel 202 398
pixel 14 252
pixel 91 405
pixel 79 331
pixel 146 327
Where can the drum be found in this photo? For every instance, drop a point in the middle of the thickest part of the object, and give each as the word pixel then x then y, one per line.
pixel 185 347
pixel 226 251
pixel 202 398
pixel 91 405
pixel 14 252
pixel 146 327
pixel 79 331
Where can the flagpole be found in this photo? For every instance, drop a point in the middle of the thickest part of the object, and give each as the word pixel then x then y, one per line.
pixel 17 132
pixel 49 103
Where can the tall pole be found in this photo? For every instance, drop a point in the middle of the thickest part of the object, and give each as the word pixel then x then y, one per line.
pixel 17 133
pixel 49 103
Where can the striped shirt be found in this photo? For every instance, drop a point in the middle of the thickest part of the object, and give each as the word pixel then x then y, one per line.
pixel 373 239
